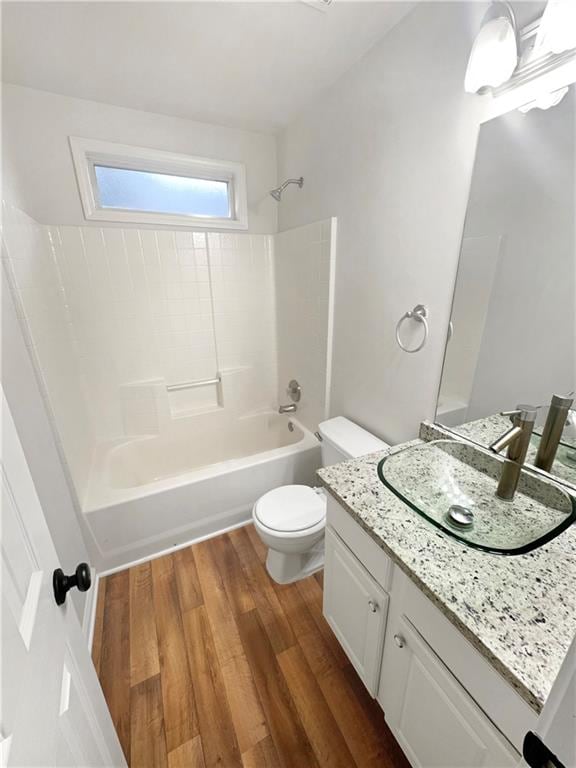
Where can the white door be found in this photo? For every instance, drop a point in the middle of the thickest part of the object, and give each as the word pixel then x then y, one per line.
pixel 356 608
pixel 556 728
pixel 436 722
pixel 53 710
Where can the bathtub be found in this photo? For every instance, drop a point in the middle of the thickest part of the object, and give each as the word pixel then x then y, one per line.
pixel 199 476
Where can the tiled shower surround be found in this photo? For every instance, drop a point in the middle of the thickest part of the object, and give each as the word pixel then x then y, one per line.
pixel 113 316
pixel 150 306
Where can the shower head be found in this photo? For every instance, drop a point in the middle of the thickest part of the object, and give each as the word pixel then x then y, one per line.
pixel 277 193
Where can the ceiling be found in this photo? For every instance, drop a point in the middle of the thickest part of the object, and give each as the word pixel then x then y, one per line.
pixel 250 65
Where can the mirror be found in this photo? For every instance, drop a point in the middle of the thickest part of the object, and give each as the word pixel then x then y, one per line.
pixel 512 335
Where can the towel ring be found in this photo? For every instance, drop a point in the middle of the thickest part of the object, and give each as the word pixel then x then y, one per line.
pixel 419 313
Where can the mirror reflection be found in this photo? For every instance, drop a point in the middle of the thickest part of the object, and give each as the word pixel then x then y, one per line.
pixel 512 338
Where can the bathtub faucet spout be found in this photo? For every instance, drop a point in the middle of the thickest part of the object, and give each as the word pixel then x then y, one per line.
pixel 287 408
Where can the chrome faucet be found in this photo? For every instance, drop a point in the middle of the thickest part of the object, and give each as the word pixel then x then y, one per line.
pixel 295 392
pixel 517 440
pixel 558 415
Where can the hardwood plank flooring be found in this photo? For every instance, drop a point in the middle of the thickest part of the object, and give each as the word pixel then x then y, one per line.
pixel 218 734
pixel 147 737
pixel 180 718
pixel 114 662
pixel 286 729
pixel 144 660
pixel 204 661
pixel 321 728
pixel 263 755
pixel 189 755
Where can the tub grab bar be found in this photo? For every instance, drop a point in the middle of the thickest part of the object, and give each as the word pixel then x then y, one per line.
pixel 192 384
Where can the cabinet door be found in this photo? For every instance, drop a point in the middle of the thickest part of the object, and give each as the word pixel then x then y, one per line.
pixel 436 722
pixel 355 606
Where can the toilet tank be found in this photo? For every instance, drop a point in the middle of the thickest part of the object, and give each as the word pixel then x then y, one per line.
pixel 342 439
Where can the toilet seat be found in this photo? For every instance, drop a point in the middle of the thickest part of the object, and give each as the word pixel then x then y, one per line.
pixel 290 508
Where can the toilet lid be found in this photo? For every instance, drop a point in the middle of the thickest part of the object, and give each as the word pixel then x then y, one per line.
pixel 291 508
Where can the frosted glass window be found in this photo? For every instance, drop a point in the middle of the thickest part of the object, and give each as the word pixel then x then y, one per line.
pixel 131 190
pixel 139 185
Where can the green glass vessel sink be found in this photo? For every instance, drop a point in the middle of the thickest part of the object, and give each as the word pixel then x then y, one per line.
pixel 453 486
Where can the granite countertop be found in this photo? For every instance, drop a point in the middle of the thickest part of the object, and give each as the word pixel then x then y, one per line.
pixel 518 611
pixel 485 431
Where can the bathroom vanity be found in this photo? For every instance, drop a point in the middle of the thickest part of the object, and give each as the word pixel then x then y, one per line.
pixel 460 647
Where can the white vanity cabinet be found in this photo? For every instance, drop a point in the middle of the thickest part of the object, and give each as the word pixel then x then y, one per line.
pixel 445 703
pixel 434 719
pixel 355 606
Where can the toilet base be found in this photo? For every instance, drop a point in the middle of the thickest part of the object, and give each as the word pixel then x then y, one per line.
pixel 286 568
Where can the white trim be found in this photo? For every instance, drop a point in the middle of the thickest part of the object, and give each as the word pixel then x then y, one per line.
pixel 175 548
pixel 88 152
pixel 331 313
pixel 89 617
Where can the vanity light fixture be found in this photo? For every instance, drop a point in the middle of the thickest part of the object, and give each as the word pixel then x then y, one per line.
pixel 545 100
pixel 318 5
pixel 494 55
pixel 557 28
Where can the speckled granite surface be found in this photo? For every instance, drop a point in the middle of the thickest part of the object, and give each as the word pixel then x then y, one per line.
pixel 485 431
pixel 519 611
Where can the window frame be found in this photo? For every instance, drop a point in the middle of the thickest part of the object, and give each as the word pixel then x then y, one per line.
pixel 87 153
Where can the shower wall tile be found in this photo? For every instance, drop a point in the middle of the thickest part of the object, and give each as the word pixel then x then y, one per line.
pixel 304 274
pixel 148 305
pixel 130 318
pixel 242 277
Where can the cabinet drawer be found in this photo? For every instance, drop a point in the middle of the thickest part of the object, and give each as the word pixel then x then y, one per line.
pixel 434 719
pixel 356 607
pixel 372 557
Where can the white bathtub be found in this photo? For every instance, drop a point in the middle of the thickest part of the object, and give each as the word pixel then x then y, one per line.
pixel 201 475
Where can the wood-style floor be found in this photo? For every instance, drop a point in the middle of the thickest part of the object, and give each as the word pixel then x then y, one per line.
pixel 204 661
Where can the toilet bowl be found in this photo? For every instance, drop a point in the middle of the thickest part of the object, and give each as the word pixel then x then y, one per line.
pixel 290 520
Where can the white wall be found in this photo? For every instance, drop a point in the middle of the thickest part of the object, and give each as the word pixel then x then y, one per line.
pixel 304 266
pixel 389 150
pixel 39 175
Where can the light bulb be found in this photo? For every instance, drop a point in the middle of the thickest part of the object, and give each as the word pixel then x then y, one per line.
pixel 494 55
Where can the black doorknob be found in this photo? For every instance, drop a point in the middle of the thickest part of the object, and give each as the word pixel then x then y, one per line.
pixel 63 583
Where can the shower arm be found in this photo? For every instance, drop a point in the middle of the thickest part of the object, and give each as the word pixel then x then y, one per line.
pixel 277 192
pixel 284 184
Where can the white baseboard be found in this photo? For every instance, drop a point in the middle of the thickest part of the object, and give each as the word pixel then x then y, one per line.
pixel 174 548
pixel 89 619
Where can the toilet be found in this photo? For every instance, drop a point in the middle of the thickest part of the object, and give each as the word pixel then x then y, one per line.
pixel 290 520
